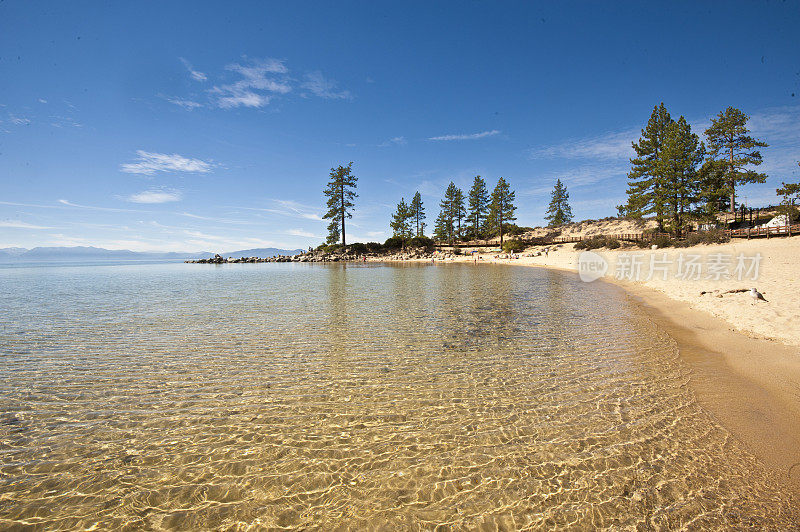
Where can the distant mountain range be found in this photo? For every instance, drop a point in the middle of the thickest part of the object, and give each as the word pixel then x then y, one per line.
pixel 79 253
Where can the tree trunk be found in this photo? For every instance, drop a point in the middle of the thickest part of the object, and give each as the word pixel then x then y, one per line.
pixel 501 230
pixel 344 241
pixel 733 185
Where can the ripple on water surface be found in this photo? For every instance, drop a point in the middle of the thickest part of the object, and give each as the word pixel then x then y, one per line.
pixel 273 395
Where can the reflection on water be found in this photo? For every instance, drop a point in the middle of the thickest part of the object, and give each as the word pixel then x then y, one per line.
pixel 288 395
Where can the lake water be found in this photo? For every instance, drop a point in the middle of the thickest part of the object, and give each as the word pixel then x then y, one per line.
pixel 363 396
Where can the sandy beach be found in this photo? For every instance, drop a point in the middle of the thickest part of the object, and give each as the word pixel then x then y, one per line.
pixel 744 354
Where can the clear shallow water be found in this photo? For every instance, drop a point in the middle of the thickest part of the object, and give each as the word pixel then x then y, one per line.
pixel 288 395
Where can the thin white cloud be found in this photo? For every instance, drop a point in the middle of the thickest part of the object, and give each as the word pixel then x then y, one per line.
pixel 93 208
pixel 293 209
pixel 17 121
pixel 196 75
pixel 148 163
pixel 155 196
pixel 323 87
pixel 260 79
pixel 470 136
pixel 394 141
pixel 186 104
pixel 16 224
pixel 613 145
pixel 300 232
pixel 42 100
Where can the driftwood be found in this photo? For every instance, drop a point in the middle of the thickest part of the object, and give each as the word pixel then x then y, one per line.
pixel 735 291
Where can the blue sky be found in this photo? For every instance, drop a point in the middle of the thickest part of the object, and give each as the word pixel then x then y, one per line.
pixel 213 126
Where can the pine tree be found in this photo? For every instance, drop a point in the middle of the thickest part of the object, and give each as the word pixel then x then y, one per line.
pixel 459 212
pixel 341 193
pixel 418 214
pixel 728 141
pixel 790 193
pixel 440 227
pixel 449 210
pixel 559 212
pixel 478 204
pixel 681 154
pixel 401 221
pixel 644 180
pixel 501 209
pixel 714 192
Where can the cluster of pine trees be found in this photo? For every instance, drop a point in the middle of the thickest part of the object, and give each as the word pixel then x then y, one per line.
pixel 678 178
pixel 477 215
pixel 675 177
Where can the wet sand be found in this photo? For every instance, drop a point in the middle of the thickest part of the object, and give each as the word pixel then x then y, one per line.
pixel 751 386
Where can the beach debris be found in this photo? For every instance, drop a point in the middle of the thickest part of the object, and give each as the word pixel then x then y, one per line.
pixel 756 295
pixel 734 291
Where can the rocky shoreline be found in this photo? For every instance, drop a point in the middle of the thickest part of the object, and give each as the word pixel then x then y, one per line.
pixel 322 256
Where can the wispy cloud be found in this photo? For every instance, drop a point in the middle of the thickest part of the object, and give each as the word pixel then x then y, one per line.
pixel 260 79
pixel 470 136
pixel 300 232
pixel 323 87
pixel 42 100
pixel 613 145
pixel 18 121
pixel 16 224
pixel 95 208
pixel 148 163
pixel 196 75
pixel 186 104
pixel 155 196
pixel 290 208
pixel 394 141
pixel 304 211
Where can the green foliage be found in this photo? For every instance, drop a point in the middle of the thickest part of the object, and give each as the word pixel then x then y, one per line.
pixel 478 206
pixel 516 230
pixel 714 236
pixel 597 242
pixel 681 153
pixel 341 193
pixel 417 212
pixel 513 246
pixel 714 194
pixel 448 225
pixel 329 248
pixel 394 242
pixel 729 142
pixel 644 179
pixel 559 212
pixel 501 209
pixel 662 241
pixel 401 221
pixel 422 242
pixel 374 247
pixel 358 248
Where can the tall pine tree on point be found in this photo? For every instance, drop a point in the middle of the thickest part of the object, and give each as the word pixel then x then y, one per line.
pixel 478 204
pixel 644 179
pixel 730 144
pixel 341 193
pixel 559 212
